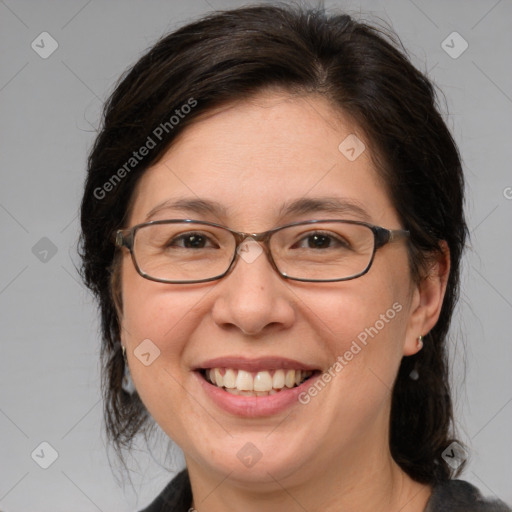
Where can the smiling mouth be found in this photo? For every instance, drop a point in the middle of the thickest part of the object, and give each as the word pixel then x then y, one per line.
pixel 262 383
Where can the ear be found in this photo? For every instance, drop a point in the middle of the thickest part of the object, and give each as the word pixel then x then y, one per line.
pixel 427 299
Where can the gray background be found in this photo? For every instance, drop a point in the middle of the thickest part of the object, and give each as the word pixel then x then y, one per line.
pixel 49 372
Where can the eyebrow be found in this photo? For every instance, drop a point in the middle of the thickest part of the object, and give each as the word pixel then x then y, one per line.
pixel 303 206
pixel 192 205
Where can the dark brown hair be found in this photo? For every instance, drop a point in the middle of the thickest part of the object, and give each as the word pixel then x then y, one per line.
pixel 365 73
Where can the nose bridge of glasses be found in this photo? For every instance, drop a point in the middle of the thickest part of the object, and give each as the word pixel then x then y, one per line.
pixel 241 237
pixel 261 239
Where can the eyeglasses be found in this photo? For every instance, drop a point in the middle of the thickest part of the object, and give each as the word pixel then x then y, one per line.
pixel 190 251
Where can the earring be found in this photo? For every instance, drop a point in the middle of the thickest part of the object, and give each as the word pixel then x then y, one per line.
pixel 419 343
pixel 127 383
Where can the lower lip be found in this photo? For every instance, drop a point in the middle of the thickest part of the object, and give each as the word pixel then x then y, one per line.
pixel 254 406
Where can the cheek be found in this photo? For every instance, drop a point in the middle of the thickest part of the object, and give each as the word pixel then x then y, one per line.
pixel 362 325
pixel 154 331
pixel 167 316
pixel 364 334
pixel 154 310
pixel 359 311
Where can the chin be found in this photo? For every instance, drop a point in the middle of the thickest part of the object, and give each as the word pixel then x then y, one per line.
pixel 258 459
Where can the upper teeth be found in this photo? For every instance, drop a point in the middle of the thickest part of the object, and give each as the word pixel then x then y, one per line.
pixel 260 381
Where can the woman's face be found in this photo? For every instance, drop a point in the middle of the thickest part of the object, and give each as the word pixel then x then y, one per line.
pixel 254 159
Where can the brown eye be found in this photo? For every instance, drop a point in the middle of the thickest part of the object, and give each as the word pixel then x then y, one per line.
pixel 190 240
pixel 320 240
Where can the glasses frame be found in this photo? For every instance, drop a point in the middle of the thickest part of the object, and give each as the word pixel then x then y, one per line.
pixel 381 237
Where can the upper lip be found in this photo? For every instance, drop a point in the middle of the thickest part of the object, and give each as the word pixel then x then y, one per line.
pixel 255 364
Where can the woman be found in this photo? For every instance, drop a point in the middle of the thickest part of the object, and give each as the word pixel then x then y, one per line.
pixel 273 225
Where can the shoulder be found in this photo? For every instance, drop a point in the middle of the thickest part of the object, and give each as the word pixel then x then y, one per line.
pixel 177 496
pixel 461 496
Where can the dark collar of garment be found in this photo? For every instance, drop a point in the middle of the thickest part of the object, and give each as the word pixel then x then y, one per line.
pixel 448 496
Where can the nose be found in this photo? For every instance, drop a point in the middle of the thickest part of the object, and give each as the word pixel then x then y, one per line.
pixel 253 297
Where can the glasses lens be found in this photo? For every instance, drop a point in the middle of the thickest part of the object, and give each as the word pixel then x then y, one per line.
pixel 183 251
pixel 323 250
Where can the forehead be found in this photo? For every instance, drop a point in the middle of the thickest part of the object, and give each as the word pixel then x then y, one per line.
pixel 254 157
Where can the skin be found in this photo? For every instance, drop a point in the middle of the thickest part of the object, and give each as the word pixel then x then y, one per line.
pixel 333 453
